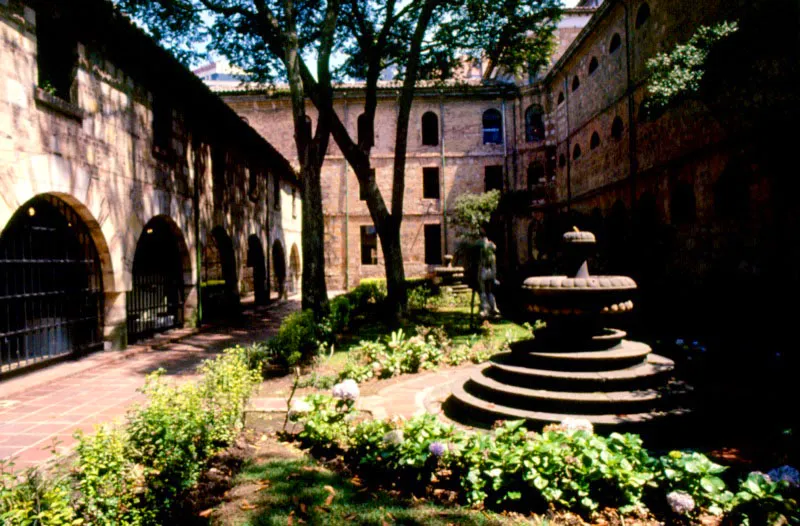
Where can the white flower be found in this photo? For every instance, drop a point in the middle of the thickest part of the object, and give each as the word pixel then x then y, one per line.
pixel 571 425
pixel 785 473
pixel 680 502
pixel 394 437
pixel 299 407
pixel 346 390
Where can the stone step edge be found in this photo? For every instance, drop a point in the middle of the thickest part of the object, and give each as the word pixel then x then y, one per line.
pixel 653 366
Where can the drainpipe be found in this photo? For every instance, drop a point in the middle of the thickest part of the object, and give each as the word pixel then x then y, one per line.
pixel 346 211
pixel 569 145
pixel 444 166
pixel 631 111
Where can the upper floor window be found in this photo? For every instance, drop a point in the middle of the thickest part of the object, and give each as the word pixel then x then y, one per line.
pixel 493 178
pixel 593 65
pixel 642 15
pixel 616 128
pixel 576 83
pixel 57 55
pixel 430 182
pixel 430 129
pixel 576 152
pixel 594 142
pixel 534 123
pixel 492 127
pixel 616 42
pixel 366 137
pixel 560 97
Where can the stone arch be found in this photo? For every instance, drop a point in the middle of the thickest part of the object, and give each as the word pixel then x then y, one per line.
pixel 160 275
pixel 54 280
pixel 257 261
pixel 279 268
pixel 295 270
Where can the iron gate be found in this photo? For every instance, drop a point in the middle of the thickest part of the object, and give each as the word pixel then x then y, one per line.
pixel 155 303
pixel 51 285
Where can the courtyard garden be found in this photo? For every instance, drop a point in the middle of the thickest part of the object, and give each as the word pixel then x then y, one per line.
pixel 191 454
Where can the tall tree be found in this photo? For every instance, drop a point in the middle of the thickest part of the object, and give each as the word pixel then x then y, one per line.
pixel 422 39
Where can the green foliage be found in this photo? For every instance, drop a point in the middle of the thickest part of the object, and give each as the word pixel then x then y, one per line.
pixel 109 483
pixel 326 424
pixel 763 501
pixel 470 211
pixel 31 499
pixel 678 73
pixel 695 474
pixel 297 338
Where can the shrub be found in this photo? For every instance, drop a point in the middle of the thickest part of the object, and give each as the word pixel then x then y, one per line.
pixel 297 338
pixel 325 424
pixel 34 500
pixel 761 500
pixel 695 474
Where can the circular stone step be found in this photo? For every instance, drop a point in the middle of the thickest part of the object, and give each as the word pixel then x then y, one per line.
pixel 623 355
pixel 635 377
pixel 476 410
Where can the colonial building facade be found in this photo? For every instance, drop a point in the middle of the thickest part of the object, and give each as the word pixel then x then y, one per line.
pixel 132 199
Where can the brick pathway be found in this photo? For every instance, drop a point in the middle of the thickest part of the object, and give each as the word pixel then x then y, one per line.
pixel 53 403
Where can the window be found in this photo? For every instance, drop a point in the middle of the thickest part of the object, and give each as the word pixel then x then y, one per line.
pixel 276 191
pixel 162 123
pixel 576 152
pixel 534 123
pixel 493 178
pixel 492 122
pixel 616 128
pixel 366 138
pixel 615 43
pixel 535 174
pixel 593 65
pixel 683 205
pixel 560 97
pixel 433 244
pixel 562 161
pixel 430 182
pixel 642 15
pixel 57 55
pixel 294 202
pixel 430 129
pixel 576 83
pixel 369 245
pixel 594 142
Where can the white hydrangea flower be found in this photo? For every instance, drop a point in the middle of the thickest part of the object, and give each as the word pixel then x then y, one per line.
pixel 299 407
pixel 346 390
pixel 680 502
pixel 394 437
pixel 577 424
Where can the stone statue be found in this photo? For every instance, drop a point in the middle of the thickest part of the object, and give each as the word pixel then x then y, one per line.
pixel 486 275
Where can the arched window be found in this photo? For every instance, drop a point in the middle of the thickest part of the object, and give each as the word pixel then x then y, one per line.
pixel 562 161
pixel 560 97
pixel 615 43
pixel 594 142
pixel 593 65
pixel 430 129
pixel 616 128
pixel 642 15
pixel 576 83
pixel 683 205
pixel 576 152
pixel 535 174
pixel 534 123
pixel 365 135
pixel 492 127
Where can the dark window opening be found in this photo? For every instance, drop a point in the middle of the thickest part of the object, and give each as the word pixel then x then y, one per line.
pixel 683 205
pixel 593 65
pixel 162 123
pixel 594 142
pixel 492 124
pixel 366 137
pixel 562 160
pixel 560 97
pixel 493 178
pixel 535 174
pixel 534 123
pixel 576 83
pixel 616 42
pixel 430 129
pixel 576 152
pixel 430 182
pixel 616 128
pixel 57 55
pixel 276 191
pixel 369 245
pixel 642 15
pixel 433 244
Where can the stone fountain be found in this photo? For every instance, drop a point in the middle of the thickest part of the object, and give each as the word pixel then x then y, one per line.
pixel 575 367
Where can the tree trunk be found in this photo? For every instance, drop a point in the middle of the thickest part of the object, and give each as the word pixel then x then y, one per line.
pixel 314 291
pixel 395 271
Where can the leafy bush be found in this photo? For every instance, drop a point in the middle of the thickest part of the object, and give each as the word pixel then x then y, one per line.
pixel 470 211
pixel 694 473
pixel 761 500
pixel 31 499
pixel 297 338
pixel 325 424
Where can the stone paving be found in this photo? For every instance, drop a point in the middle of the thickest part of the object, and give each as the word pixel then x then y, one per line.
pixel 51 404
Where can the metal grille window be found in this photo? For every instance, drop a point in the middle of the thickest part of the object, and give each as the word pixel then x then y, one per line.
pixel 51 285
pixel 155 303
